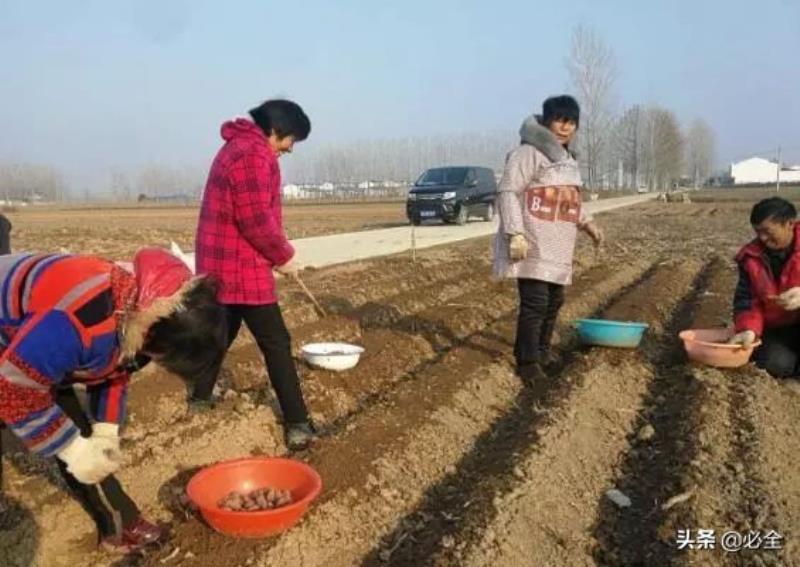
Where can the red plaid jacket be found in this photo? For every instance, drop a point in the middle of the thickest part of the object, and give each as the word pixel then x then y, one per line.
pixel 240 233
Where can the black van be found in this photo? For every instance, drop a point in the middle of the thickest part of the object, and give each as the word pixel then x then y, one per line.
pixel 452 194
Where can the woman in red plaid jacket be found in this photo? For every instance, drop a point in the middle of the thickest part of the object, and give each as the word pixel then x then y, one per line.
pixel 240 241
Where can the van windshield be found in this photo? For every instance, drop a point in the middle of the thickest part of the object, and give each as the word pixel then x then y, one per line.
pixel 443 176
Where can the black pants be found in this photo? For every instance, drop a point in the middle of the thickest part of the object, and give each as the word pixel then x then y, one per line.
pixel 272 337
pixel 539 303
pixel 108 505
pixel 5 235
pixel 779 353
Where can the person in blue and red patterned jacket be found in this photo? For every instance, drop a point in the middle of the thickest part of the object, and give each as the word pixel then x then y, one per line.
pixel 766 303
pixel 240 241
pixel 72 323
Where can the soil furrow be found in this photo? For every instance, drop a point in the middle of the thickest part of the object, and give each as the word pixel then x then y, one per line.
pixel 439 379
pixel 655 469
pixel 545 514
pixel 459 503
pixel 774 408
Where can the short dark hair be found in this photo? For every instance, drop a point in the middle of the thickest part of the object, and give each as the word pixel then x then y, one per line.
pixel 284 117
pixel 562 107
pixel 774 208
pixel 193 339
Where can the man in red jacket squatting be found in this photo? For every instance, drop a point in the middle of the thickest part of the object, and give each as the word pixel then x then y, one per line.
pixel 240 241
pixel 767 299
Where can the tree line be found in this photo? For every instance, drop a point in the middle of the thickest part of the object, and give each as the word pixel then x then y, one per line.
pixel 639 145
pixel 31 182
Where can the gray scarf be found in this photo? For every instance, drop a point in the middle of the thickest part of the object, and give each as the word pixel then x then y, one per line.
pixel 534 133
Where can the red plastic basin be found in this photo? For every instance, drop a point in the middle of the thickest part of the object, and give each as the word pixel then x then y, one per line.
pixel 709 346
pixel 213 483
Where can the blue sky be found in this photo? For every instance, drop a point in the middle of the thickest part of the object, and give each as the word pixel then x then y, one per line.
pixel 92 85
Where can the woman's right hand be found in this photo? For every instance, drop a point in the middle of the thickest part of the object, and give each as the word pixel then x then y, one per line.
pixel 290 268
pixel 91 459
pixel 517 247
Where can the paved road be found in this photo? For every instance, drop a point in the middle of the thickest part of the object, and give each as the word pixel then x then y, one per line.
pixel 338 248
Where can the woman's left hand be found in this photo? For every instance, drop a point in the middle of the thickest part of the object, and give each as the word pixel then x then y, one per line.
pixel 596 233
pixel 109 432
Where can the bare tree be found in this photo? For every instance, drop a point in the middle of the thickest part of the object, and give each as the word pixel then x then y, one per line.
pixel 592 70
pixel 664 148
pixel 629 144
pixel 700 151
pixel 31 182
pixel 397 159
pixel 121 186
pixel 163 181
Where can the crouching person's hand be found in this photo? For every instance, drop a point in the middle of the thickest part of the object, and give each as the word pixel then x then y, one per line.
pixel 91 459
pixel 790 299
pixel 517 248
pixel 745 338
pixel 108 431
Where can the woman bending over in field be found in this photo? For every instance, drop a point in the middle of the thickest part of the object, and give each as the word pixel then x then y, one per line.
pixel 71 325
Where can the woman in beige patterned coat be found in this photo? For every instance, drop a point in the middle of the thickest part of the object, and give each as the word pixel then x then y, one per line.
pixel 540 208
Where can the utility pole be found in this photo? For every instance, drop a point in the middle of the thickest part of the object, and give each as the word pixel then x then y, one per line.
pixel 778 184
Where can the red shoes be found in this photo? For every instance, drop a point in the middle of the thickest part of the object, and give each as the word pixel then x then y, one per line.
pixel 136 536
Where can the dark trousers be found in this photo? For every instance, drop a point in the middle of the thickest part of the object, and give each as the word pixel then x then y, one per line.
pixel 539 303
pixel 272 337
pixel 779 353
pixel 106 502
pixel 5 235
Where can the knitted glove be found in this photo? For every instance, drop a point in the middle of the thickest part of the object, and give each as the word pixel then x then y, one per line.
pixel 90 459
pixel 517 248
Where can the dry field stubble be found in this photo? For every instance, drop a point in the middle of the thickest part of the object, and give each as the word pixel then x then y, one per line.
pixel 432 452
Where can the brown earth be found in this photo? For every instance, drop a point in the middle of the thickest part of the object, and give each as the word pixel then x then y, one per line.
pixel 433 453
pixel 119 232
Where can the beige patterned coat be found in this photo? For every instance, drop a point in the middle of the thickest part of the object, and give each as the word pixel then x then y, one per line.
pixel 539 196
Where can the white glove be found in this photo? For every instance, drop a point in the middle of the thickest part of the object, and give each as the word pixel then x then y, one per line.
pixel 517 247
pixel 290 268
pixel 790 299
pixel 90 459
pixel 108 431
pixel 745 338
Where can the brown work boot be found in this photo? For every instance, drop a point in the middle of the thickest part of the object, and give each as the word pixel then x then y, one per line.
pixel 138 535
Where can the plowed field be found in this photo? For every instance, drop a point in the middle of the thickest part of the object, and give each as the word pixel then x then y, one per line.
pixel 433 453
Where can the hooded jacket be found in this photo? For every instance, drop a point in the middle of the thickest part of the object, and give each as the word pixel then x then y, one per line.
pixel 75 319
pixel 539 197
pixel 240 235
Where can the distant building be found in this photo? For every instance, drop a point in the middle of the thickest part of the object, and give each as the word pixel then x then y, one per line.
pixel 291 191
pixel 758 170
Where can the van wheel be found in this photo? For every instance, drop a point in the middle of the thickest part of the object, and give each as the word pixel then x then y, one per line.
pixel 416 221
pixel 463 215
pixel 488 216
